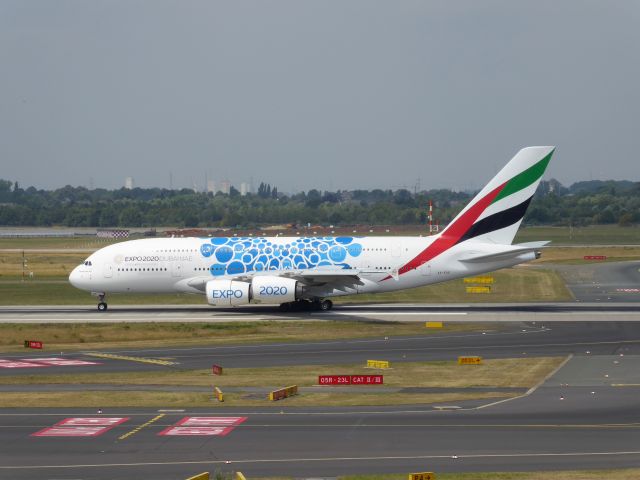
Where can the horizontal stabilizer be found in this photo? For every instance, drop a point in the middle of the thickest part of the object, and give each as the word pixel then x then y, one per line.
pixel 509 251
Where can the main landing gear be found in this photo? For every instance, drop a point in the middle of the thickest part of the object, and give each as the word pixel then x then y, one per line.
pixel 102 305
pixel 306 305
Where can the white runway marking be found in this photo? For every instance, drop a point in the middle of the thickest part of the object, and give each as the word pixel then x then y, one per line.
pixel 325 459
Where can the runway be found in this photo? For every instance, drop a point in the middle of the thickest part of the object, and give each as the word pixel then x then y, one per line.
pixel 515 339
pixel 602 282
pixel 485 312
pixel 583 417
pixel 588 426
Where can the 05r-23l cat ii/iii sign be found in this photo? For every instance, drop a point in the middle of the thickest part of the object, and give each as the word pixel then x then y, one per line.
pixel 304 272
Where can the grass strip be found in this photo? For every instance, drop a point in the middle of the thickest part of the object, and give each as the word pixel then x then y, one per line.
pixel 511 285
pixel 152 399
pixel 519 372
pixel 81 336
pixel 499 372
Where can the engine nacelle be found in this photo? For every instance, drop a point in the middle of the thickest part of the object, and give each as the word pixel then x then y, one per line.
pixel 274 290
pixel 227 293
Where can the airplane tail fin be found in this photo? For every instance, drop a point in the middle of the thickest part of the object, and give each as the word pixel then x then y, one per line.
pixel 495 214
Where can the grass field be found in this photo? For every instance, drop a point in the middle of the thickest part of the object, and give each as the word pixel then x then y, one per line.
pixel 55 242
pixel 511 285
pixel 575 255
pixel 520 372
pixel 153 399
pixel 593 235
pixel 519 284
pixel 79 336
pixel 503 372
pixel 618 474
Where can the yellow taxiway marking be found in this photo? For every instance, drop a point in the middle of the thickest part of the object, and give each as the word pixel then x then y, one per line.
pixel 140 427
pixel 156 361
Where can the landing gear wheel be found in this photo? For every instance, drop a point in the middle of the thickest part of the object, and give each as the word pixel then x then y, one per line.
pixel 286 307
pixel 102 307
pixel 325 305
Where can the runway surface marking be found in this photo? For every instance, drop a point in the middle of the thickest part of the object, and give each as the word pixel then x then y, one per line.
pixel 81 427
pixel 44 362
pixel 532 389
pixel 203 426
pixel 430 348
pixel 328 459
pixel 140 427
pixel 435 338
pixel 112 356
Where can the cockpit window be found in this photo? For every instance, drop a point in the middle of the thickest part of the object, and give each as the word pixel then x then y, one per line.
pixel 87 263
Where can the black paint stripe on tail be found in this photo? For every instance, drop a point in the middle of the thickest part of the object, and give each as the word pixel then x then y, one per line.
pixel 497 221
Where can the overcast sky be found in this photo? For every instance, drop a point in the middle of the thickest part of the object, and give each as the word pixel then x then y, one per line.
pixel 323 94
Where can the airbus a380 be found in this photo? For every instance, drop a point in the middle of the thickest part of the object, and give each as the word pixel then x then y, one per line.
pixel 306 271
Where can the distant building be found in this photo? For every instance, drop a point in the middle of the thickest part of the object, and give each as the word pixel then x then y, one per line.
pixel 113 233
pixel 225 187
pixel 128 183
pixel 211 186
pixel 244 188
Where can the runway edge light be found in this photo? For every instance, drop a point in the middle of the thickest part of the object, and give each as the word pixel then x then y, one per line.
pixel 422 476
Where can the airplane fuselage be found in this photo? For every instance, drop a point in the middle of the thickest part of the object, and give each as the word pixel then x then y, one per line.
pixel 173 265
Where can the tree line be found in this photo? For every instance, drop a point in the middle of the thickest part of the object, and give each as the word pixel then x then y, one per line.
pixel 581 204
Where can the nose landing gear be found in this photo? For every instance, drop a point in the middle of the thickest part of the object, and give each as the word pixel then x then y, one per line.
pixel 102 305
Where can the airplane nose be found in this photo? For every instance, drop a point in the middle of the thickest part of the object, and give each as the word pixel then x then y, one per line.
pixel 74 277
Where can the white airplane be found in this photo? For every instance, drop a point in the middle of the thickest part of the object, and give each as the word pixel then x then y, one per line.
pixel 297 272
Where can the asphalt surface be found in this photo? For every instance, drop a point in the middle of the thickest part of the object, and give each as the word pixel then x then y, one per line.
pixel 602 282
pixel 590 425
pixel 505 340
pixel 539 311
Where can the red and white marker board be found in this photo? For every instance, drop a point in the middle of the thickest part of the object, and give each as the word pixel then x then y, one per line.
pixel 60 362
pixel 20 364
pixel 44 362
pixel 203 426
pixel 81 427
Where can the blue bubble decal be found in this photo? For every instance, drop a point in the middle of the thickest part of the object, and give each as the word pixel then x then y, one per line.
pixel 217 269
pixel 344 240
pixel 237 255
pixel 337 253
pixel 235 268
pixel 224 254
pixel 355 249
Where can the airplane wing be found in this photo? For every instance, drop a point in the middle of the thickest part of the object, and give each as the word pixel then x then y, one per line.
pixel 509 251
pixel 338 277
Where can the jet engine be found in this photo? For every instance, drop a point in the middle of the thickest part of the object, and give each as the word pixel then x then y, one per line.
pixel 227 293
pixel 267 290
pixel 274 290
